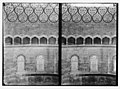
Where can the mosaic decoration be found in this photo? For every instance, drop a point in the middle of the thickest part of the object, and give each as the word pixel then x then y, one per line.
pixel 92 10
pixel 86 18
pixel 22 17
pixel 87 14
pixel 76 17
pixel 12 17
pixel 31 12
pixel 97 18
pixel 49 12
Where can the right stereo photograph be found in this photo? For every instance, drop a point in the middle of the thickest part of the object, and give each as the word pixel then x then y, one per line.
pixel 89 48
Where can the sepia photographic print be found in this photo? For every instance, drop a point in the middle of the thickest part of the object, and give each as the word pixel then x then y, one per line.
pixel 60 44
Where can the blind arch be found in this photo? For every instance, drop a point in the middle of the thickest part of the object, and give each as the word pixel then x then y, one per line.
pixel 20 63
pixel 74 63
pixel 94 63
pixel 40 63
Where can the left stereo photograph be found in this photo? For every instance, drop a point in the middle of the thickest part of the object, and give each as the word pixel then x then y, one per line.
pixel 30 43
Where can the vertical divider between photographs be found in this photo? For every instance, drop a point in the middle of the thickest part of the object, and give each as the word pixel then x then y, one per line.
pixel 59 43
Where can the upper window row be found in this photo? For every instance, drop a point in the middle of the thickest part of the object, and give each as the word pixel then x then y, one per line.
pixel 88 40
pixel 27 40
pixel 53 40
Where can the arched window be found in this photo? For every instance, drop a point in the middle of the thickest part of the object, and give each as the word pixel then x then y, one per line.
pixel 34 40
pixel 20 63
pixel 114 64
pixel 17 41
pixel 43 40
pixel 105 40
pixel 55 65
pixel 8 41
pixel 26 40
pixel 88 40
pixel 97 40
pixel 40 63
pixel 80 40
pixel 74 63
pixel 52 40
pixel 71 41
pixel 114 40
pixel 94 63
pixel 63 41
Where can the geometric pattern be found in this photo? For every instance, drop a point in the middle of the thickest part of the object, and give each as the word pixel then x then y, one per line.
pixel 23 12
pixel 88 14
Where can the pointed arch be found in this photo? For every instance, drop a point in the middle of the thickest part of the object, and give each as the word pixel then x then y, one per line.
pixel 114 40
pixel 88 40
pixel 17 41
pixel 71 41
pixel 8 41
pixel 43 40
pixel 97 40
pixel 63 41
pixel 105 40
pixel 26 40
pixel 80 40
pixel 34 40
pixel 94 63
pixel 52 40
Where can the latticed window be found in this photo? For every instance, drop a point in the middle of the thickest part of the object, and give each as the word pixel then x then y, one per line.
pixel 8 41
pixel 43 40
pixel 35 40
pixel 26 40
pixel 52 40
pixel 40 63
pixel 17 40
pixel 63 41
pixel 88 40
pixel 97 40
pixel 94 63
pixel 105 40
pixel 80 40
pixel 20 63
pixel 74 63
pixel 71 41
pixel 114 40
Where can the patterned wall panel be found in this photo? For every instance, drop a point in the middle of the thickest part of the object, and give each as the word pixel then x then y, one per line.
pixel 88 20
pixel 88 14
pixel 30 19
pixel 31 12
